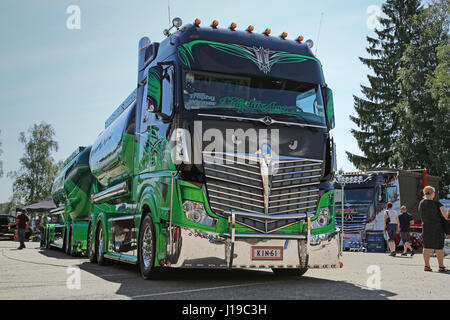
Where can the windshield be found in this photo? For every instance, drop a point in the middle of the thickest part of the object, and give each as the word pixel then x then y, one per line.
pixel 259 96
pixel 355 195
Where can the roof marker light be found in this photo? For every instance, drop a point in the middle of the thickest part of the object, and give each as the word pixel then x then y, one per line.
pixel 250 29
pixel 284 35
pixel 267 32
pixel 214 24
pixel 197 22
pixel 299 39
pixel 233 26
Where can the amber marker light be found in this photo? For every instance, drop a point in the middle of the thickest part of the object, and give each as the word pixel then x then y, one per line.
pixel 250 29
pixel 233 26
pixel 214 24
pixel 267 32
pixel 284 35
pixel 299 39
pixel 197 22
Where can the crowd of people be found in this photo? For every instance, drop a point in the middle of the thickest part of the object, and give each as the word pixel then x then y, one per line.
pixel 435 224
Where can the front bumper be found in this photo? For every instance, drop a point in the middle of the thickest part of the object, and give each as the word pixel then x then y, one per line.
pixel 192 248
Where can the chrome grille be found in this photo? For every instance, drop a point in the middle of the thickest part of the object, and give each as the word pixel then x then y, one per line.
pixel 358 219
pixel 235 183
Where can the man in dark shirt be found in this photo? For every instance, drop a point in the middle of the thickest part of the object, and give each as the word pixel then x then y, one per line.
pixel 22 222
pixel 405 222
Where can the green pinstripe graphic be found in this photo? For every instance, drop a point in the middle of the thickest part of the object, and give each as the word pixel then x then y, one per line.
pixel 264 58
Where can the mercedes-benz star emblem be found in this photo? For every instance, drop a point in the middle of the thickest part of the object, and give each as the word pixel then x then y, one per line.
pixel 268 120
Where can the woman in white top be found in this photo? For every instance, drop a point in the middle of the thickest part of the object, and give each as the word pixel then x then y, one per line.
pixel 392 227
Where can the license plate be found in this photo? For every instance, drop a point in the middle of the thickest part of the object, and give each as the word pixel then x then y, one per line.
pixel 267 253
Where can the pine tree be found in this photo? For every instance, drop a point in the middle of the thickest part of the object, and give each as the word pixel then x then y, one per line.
pixel 377 118
pixel 424 79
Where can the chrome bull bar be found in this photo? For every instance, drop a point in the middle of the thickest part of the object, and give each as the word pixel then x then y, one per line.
pixel 193 248
pixel 232 223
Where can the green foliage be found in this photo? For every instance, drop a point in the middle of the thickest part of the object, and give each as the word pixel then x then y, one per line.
pixel 424 139
pixel 33 181
pixel 377 119
pixel 404 120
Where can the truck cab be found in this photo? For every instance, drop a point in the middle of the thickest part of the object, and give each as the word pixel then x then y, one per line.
pixel 366 195
pixel 220 158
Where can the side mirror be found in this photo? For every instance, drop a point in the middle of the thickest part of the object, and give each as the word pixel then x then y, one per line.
pixel 154 93
pixel 330 109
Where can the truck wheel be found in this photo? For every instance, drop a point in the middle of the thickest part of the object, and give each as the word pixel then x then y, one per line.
pixel 47 239
pixel 65 246
pixel 101 260
pixel 147 250
pixel 289 272
pixel 70 243
pixel 90 247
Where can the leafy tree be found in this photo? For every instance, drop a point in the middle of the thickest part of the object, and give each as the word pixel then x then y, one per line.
pixel 424 79
pixel 377 118
pixel 33 181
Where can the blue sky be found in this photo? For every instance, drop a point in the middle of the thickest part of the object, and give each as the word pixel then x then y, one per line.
pixel 74 79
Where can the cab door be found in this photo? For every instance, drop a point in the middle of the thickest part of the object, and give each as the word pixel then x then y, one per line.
pixel 154 165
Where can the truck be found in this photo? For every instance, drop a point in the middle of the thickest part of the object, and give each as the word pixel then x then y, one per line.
pixel 221 157
pixel 366 194
pixel 71 192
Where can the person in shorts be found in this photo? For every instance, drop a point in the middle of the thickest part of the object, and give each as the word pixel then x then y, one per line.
pixel 405 220
pixel 391 225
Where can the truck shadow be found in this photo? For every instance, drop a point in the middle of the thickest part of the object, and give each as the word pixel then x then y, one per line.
pixel 56 253
pixel 199 284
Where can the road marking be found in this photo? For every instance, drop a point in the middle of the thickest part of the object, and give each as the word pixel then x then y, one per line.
pixel 195 290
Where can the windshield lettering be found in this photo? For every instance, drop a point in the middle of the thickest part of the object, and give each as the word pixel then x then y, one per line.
pixel 259 95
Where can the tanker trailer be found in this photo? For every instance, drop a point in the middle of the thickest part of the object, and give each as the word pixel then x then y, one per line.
pixel 71 193
pixel 112 163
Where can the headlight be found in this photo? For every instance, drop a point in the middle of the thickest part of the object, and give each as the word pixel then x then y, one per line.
pixel 195 211
pixel 322 220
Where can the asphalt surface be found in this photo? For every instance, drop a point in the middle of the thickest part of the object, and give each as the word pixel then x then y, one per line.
pixel 33 273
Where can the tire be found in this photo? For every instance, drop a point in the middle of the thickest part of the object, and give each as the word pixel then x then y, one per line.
pixel 101 260
pixel 47 240
pixel 90 245
pixel 65 246
pixel 147 250
pixel 70 243
pixel 289 272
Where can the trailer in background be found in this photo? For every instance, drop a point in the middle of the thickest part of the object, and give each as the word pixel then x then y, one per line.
pixel 366 196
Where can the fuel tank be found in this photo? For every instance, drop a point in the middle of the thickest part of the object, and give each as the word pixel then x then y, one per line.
pixel 72 187
pixel 111 158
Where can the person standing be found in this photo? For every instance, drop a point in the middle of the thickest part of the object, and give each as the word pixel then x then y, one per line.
pixel 22 225
pixel 430 212
pixel 405 220
pixel 43 224
pixel 391 225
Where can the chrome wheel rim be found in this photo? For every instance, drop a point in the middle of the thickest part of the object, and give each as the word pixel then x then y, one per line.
pixel 90 251
pixel 147 246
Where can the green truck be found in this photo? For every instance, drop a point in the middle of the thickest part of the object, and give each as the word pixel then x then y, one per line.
pixel 220 158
